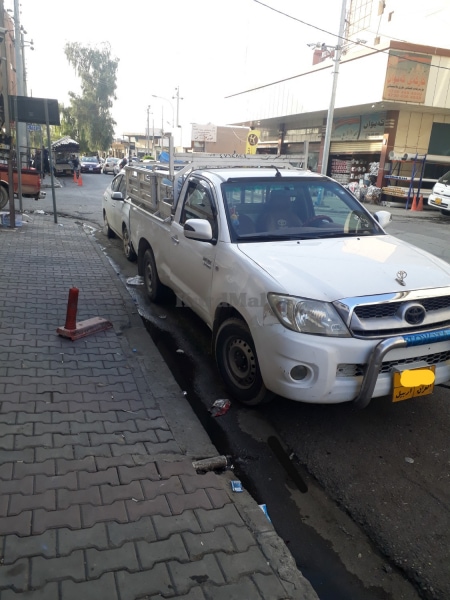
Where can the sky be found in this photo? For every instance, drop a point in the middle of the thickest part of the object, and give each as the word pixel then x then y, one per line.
pixel 208 49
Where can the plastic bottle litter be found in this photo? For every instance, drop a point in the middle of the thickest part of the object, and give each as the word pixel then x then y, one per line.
pixel 219 407
pixel 137 280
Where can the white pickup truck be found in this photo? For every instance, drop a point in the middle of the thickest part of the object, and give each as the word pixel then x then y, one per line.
pixel 305 294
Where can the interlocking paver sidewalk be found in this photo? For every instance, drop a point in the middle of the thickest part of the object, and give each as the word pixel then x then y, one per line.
pixel 99 498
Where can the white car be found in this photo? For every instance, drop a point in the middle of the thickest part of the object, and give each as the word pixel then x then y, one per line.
pixel 440 196
pixel 109 164
pixel 116 214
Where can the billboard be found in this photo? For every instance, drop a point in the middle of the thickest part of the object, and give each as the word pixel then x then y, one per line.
pixel 33 110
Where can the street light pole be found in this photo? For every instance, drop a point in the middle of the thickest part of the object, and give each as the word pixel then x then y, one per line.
pixel 148 129
pixel 7 116
pixel 171 106
pixel 326 147
pixel 21 140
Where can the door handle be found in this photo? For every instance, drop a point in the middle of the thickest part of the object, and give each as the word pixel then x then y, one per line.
pixel 207 262
pixel 175 239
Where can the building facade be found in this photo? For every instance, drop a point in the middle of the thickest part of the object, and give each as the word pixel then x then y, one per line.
pixel 391 112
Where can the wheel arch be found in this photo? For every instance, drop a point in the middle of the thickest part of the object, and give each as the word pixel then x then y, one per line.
pixel 223 312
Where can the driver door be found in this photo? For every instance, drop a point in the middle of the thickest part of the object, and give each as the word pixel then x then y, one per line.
pixel 193 261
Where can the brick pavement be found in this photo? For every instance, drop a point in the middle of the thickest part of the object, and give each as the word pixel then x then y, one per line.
pixel 98 495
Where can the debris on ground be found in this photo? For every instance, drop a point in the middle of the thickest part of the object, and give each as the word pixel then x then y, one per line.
pixel 219 407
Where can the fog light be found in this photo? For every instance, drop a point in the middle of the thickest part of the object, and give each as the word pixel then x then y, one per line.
pixel 299 372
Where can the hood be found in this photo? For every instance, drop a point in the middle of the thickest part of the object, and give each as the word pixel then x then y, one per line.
pixel 331 269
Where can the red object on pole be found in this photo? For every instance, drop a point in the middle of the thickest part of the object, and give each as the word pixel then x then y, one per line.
pixel 72 305
pixel 74 330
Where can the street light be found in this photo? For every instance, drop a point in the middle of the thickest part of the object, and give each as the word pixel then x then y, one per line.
pixel 148 129
pixel 335 53
pixel 171 106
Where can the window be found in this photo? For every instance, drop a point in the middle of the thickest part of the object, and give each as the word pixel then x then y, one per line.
pixel 359 16
pixel 198 204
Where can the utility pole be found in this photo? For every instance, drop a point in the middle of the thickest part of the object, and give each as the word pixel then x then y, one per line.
pixel 21 140
pixel 326 146
pixel 148 130
pixel 7 116
pixel 177 97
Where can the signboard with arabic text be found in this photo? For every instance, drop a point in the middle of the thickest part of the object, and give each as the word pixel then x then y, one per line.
pixel 360 127
pixel 204 133
pixel 407 76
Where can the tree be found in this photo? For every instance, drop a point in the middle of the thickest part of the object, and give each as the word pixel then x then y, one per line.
pixel 89 118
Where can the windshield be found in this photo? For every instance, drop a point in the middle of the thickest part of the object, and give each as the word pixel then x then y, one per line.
pixel 297 208
pixel 445 178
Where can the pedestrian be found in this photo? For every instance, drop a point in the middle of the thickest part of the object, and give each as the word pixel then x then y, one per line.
pixel 46 161
pixel 123 162
pixel 37 163
pixel 76 165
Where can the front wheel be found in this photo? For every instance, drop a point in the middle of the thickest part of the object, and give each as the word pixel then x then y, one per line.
pixel 127 245
pixel 238 364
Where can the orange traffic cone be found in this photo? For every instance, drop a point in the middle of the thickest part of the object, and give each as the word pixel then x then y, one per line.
pixel 420 203
pixel 414 203
pixel 80 180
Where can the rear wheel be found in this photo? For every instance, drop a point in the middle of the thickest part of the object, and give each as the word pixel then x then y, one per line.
pixel 106 228
pixel 3 196
pixel 127 245
pixel 156 291
pixel 238 364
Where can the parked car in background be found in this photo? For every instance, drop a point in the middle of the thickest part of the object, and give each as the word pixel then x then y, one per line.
pixel 440 196
pixel 90 164
pixel 116 214
pixel 108 165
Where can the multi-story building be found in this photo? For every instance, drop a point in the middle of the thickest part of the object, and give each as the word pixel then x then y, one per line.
pixel 390 106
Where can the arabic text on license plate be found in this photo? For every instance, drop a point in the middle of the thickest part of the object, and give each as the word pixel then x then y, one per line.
pixel 413 383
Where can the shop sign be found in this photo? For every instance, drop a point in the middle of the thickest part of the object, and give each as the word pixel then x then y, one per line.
pixel 204 133
pixel 407 76
pixel 361 127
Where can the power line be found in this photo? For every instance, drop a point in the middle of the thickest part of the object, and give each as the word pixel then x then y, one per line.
pixel 376 50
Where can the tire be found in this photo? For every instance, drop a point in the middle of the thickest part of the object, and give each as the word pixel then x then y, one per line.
pixel 156 291
pixel 238 364
pixel 107 229
pixel 127 245
pixel 445 213
pixel 4 197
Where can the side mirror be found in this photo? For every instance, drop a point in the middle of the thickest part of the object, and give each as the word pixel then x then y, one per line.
pixel 117 196
pixel 198 229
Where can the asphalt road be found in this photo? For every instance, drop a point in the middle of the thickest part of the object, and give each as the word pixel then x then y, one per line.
pixel 382 472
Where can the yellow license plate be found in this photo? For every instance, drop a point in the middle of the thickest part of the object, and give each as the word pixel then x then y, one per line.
pixel 437 200
pixel 413 383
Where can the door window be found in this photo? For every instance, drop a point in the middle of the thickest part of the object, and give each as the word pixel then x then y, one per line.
pixel 198 204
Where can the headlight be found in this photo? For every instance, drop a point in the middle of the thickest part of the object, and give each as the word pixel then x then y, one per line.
pixel 308 316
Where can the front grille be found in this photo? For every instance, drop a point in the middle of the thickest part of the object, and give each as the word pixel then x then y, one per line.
pixel 389 366
pixel 390 309
pixel 392 331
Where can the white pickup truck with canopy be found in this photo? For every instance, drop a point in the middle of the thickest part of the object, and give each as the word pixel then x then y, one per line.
pixel 306 295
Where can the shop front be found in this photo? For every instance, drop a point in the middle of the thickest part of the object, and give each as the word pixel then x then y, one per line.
pixel 355 149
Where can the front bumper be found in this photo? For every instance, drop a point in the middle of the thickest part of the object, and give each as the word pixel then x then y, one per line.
pixel 281 350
